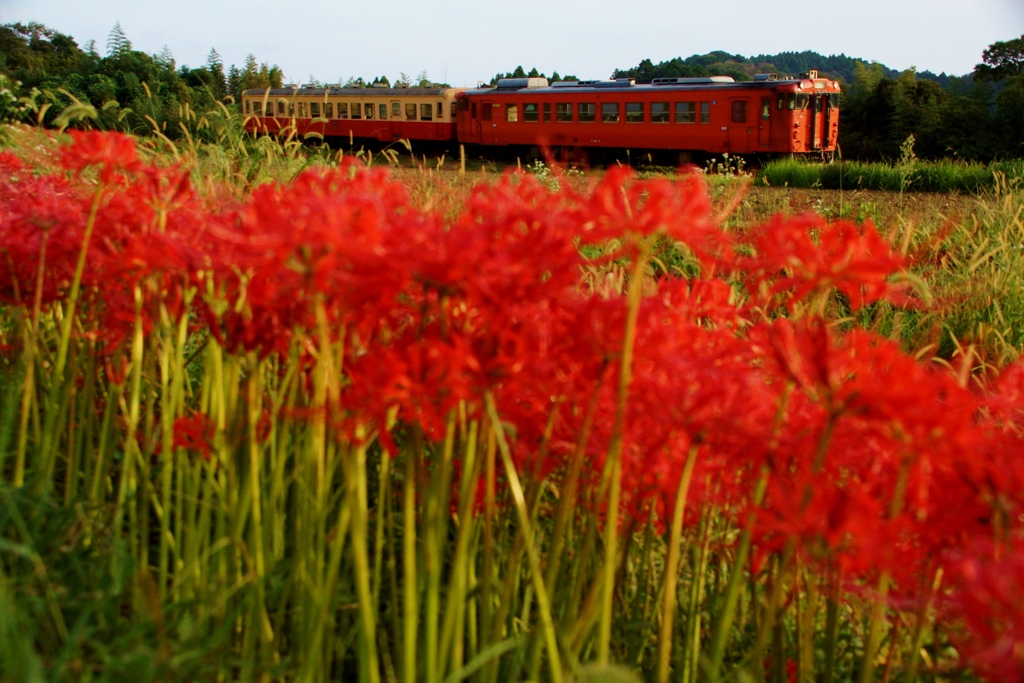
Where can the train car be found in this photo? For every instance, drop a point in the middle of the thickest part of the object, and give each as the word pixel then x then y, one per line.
pixel 710 115
pixel 383 114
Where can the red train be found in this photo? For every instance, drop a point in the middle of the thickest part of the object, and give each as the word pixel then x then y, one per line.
pixel 673 116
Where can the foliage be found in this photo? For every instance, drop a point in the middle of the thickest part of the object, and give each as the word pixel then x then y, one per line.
pixel 914 175
pixel 129 90
pixel 1000 60
pixel 718 63
pixel 519 72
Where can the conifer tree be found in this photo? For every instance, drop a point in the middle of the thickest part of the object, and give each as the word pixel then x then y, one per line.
pixel 117 41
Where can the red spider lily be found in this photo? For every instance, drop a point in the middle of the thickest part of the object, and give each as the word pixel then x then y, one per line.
pixel 989 597
pixel 623 208
pixel 37 210
pixel 113 152
pixel 871 469
pixel 330 237
pixel 152 235
pixel 808 255
pixel 195 432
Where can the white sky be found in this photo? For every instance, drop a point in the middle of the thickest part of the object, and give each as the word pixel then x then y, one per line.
pixel 462 41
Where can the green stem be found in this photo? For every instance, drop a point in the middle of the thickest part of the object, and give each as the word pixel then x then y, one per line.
pixel 29 388
pixel 723 628
pixel 832 628
pixel 670 597
pixel 43 479
pixel 614 465
pixel 923 622
pixel 410 606
pixel 357 495
pixel 543 603
pixel 436 528
pixel 457 587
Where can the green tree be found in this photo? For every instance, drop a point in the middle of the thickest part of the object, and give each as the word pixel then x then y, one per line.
pixel 1001 60
pixel 215 65
pixel 117 41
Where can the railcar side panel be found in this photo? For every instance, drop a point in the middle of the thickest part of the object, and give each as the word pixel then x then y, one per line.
pixel 383 114
pixel 776 117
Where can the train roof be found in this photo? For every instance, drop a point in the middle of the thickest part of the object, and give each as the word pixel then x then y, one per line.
pixel 540 86
pixel 348 92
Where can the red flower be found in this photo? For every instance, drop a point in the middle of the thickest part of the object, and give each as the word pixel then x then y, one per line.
pixel 989 596
pixel 195 432
pixel 807 254
pixel 113 152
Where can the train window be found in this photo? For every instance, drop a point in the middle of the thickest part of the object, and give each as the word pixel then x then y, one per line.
pixel 659 112
pixel 472 112
pixel 547 112
pixel 303 110
pixel 368 110
pixel 291 109
pixel 257 108
pixel 410 111
pixel 314 108
pixel 329 113
pixel 453 114
pixel 280 106
pixel 486 109
pixel 530 112
pixel 705 112
pixel 739 111
pixel 780 102
pixel 791 101
pixel 563 111
pixel 766 108
pixel 634 112
pixel 426 112
pixel 833 100
pixel 248 107
pixel 802 100
pixel 396 110
pixel 686 112
pixel 440 111
pixel 464 104
pixel 382 111
pixel 512 113
pixel 342 110
pixel 586 112
pixel 357 110
pixel 610 112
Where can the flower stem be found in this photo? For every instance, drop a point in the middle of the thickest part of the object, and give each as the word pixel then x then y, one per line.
pixel 543 603
pixel 614 464
pixel 672 569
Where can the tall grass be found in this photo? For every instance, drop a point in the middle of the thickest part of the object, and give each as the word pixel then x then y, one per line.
pixel 914 176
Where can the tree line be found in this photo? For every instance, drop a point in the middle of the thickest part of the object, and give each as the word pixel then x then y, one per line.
pixel 978 116
pixel 975 117
pixel 43 71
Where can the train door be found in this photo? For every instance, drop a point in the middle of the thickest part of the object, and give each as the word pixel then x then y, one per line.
pixel 397 129
pixel 764 126
pixel 819 121
pixel 488 124
pixel 471 132
pixel 739 126
pixel 826 128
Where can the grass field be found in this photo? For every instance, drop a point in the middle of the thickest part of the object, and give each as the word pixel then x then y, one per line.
pixel 268 413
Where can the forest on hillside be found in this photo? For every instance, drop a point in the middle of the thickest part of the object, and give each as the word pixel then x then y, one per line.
pixel 977 116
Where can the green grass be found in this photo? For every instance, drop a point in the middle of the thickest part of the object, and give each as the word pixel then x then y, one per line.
pixel 912 176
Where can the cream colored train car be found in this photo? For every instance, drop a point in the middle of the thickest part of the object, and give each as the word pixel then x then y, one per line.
pixel 384 114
